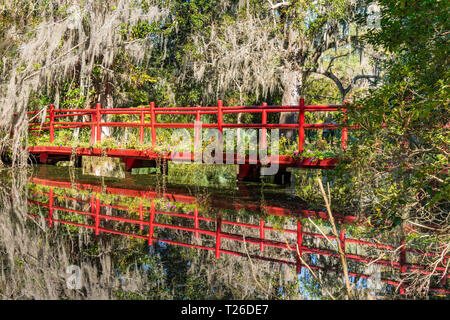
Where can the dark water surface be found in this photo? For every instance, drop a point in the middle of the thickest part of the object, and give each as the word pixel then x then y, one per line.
pixel 65 235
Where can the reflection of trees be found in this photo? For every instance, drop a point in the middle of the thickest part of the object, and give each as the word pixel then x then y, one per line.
pixel 34 259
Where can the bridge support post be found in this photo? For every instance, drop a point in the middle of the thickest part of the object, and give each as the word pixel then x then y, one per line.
pixel 131 163
pixel 249 172
pixel 282 177
pixel 52 123
pixel 402 266
pixel 43 157
pixel 264 130
pixel 150 225
pixel 344 134
pixel 98 118
pixel 153 122
pixel 78 162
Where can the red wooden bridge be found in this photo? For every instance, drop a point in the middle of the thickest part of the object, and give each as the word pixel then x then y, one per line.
pixel 136 158
pixel 147 222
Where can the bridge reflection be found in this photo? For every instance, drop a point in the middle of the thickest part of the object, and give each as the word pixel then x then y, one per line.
pixel 219 226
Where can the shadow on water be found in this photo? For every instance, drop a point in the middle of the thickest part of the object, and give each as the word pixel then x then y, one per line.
pixel 68 235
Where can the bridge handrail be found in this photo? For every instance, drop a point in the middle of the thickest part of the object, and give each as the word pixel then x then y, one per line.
pixel 96 119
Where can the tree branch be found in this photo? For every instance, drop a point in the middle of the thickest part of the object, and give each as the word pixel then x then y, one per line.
pixel 278 5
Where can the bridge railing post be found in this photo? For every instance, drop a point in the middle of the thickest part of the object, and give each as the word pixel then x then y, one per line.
pixel 52 123
pixel 99 120
pixel 220 123
pixel 141 215
pixel 93 207
pixel 344 133
pixel 198 119
pixel 342 238
pixel 444 278
pixel 97 215
pixel 220 115
pixel 402 265
pixel 264 130
pixel 261 234
pixel 196 222
pixel 301 125
pixel 93 126
pixel 218 235
pixel 141 128
pixel 151 227
pixel 300 246
pixel 153 121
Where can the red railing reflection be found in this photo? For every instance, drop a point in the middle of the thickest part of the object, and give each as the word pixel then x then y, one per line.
pixel 148 220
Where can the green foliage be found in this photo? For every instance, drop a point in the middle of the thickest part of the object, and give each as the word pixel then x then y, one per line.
pixel 400 162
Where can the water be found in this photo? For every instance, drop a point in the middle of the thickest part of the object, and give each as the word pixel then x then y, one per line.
pixel 66 235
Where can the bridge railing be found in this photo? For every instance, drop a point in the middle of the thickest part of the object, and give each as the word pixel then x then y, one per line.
pixel 148 218
pixel 96 122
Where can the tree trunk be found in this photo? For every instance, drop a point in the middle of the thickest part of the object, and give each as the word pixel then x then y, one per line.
pixel 292 83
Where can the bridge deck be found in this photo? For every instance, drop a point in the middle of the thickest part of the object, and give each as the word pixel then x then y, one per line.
pixel 52 154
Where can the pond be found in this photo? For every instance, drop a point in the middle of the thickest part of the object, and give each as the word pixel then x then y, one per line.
pixel 68 235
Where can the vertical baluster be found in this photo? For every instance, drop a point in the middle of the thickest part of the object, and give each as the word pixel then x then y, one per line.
pixel 93 207
pixel 153 119
pixel 444 278
pixel 93 125
pixel 220 123
pixel 220 115
pixel 299 245
pixel 264 130
pixel 301 125
pixel 342 238
pixel 99 120
pixel 218 235
pixel 52 123
pixel 197 136
pixel 141 215
pixel 402 265
pixel 198 119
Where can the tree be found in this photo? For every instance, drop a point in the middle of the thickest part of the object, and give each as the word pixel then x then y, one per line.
pixel 266 48
pixel 50 43
pixel 399 163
